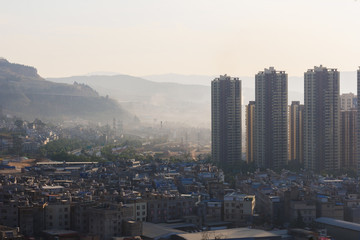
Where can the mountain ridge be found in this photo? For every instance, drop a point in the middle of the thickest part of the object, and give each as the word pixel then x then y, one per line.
pixel 170 100
pixel 173 102
pixel 24 93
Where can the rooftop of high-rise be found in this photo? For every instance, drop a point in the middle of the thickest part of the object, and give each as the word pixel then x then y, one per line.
pixel 225 77
pixel 270 70
pixel 322 68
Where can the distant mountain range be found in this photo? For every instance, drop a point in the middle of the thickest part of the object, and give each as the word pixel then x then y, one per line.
pixel 164 99
pixel 178 98
pixel 25 94
pixel 157 98
pixel 295 83
pixel 153 102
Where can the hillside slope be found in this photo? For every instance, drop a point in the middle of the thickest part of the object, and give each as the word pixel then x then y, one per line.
pixel 24 93
pixel 151 101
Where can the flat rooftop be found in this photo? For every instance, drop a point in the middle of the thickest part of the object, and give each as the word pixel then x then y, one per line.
pixel 339 223
pixel 156 231
pixel 234 233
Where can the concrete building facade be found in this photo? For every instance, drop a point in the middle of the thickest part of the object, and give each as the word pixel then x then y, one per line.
pixel 139 210
pixel 348 139
pixel 226 120
pixel 271 131
pixel 358 123
pixel 57 216
pixel 107 220
pixel 296 131
pixel 321 119
pixel 348 101
pixel 250 121
pixel 239 208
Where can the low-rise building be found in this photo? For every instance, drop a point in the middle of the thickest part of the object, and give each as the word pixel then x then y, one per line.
pixel 239 208
pixel 106 220
pixel 8 233
pixel 57 215
pixel 326 207
pixel 304 209
pixel 139 210
pixel 214 211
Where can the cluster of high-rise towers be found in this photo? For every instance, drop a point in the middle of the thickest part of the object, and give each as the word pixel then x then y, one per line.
pixel 321 134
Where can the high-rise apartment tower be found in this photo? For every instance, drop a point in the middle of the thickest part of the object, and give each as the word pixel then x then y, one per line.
pixel 321 119
pixel 296 131
pixel 348 101
pixel 358 122
pixel 271 126
pixel 226 120
pixel 250 121
pixel 348 139
pixel 348 122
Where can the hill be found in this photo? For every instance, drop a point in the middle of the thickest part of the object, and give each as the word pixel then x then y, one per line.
pixel 25 94
pixel 152 101
pixel 165 98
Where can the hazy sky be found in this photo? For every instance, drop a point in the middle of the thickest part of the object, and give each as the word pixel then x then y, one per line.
pixel 239 37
